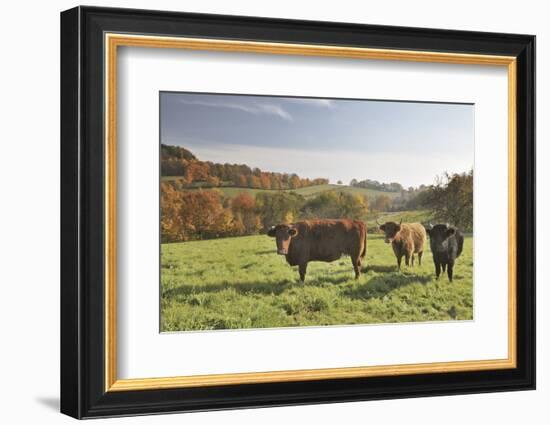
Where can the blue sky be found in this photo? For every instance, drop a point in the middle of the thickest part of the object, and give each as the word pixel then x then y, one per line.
pixel 406 142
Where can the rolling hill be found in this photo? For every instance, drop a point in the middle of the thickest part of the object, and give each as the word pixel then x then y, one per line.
pixel 306 192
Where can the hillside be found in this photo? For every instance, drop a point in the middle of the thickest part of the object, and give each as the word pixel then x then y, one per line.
pixel 311 191
pixel 180 164
pixel 306 192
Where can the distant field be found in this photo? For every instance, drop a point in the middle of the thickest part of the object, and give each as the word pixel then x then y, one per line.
pixel 311 191
pixel 307 192
pixel 418 216
pixel 237 283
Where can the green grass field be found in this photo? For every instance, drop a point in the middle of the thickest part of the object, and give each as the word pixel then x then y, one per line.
pixel 237 283
pixel 416 216
pixel 306 192
pixel 312 191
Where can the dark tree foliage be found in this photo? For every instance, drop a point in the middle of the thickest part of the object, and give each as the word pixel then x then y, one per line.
pixel 376 185
pixel 278 207
pixel 452 200
pixel 177 152
pixel 333 204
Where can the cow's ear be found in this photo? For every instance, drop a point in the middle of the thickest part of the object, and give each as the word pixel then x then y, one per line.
pixel 450 231
pixel 383 227
pixel 292 232
pixel 271 232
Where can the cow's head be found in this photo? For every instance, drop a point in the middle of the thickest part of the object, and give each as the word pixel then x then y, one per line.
pixel 390 229
pixel 283 233
pixel 439 234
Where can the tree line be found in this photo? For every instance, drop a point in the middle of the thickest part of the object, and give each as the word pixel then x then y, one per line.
pixel 451 199
pixel 191 213
pixel 376 185
pixel 191 172
pixel 206 214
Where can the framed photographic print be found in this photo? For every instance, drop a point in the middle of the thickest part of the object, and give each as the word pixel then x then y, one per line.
pixel 261 212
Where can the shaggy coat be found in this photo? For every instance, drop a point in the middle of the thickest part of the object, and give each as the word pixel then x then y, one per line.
pixel 321 240
pixel 406 240
pixel 446 244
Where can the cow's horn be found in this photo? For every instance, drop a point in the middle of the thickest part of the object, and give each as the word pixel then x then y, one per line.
pixel 447 224
pixel 401 221
pixel 377 222
pixel 430 226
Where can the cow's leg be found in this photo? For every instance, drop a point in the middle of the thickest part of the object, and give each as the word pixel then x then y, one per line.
pixel 437 269
pixel 398 262
pixel 407 259
pixel 450 270
pixel 444 267
pixel 356 266
pixel 420 258
pixel 302 268
pixel 412 260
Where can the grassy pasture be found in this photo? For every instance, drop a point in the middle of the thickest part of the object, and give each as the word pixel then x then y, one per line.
pixel 237 283
pixel 417 216
pixel 311 191
pixel 306 192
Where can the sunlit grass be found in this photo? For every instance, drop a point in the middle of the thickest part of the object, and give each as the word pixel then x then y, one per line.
pixel 237 283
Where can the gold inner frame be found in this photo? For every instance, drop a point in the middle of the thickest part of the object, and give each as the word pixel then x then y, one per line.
pixel 113 41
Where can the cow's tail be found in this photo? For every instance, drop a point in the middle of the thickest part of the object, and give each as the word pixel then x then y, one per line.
pixel 460 241
pixel 364 251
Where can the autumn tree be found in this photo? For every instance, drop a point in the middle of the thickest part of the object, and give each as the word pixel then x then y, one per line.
pixel 241 181
pixel 202 215
pixel 278 207
pixel 196 171
pixel 381 203
pixel 332 204
pixel 170 220
pixel 275 182
pixel 246 221
pixel 294 182
pixel 452 199
pixel 212 181
pixel 254 182
pixel 265 181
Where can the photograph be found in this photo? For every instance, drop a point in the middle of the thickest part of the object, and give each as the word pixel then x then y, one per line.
pixel 284 211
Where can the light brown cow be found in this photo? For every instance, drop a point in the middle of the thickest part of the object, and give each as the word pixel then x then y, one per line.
pixel 406 240
pixel 321 240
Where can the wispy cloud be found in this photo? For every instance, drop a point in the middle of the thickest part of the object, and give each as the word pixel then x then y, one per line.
pixel 325 103
pixel 277 110
pixel 259 108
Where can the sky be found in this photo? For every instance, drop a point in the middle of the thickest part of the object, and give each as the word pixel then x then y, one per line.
pixel 340 139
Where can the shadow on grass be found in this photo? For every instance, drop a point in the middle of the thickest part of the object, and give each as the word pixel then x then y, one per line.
pixel 265 288
pixel 380 286
pixel 379 269
pixel 332 279
pixel 375 287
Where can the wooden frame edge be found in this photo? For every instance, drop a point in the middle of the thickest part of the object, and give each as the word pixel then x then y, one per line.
pixel 114 40
pixel 306 375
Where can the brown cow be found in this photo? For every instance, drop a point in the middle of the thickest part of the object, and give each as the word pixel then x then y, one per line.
pixel 406 240
pixel 321 240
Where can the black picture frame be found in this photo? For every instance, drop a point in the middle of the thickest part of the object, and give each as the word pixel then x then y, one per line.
pixel 82 212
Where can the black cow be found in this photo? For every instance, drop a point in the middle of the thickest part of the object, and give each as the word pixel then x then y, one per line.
pixel 446 243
